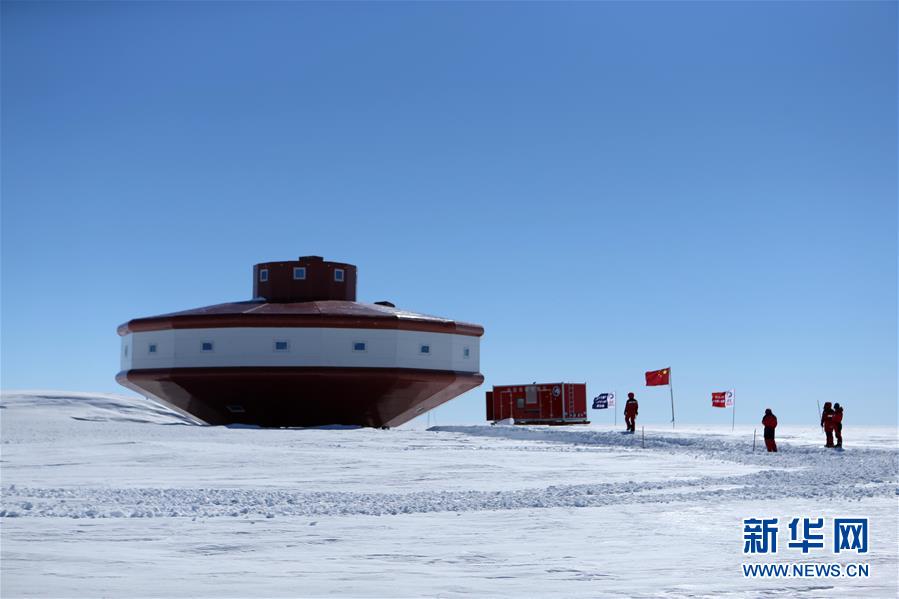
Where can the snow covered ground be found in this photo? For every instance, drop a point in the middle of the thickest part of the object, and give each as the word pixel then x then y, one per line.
pixel 114 496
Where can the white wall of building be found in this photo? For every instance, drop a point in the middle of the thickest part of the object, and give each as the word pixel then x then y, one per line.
pixel 255 346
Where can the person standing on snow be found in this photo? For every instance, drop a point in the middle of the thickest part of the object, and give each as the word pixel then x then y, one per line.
pixel 827 423
pixel 838 424
pixel 769 421
pixel 630 412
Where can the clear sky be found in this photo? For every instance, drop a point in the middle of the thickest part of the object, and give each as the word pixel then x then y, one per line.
pixel 608 188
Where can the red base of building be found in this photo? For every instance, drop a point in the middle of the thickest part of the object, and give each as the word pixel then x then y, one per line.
pixel 297 397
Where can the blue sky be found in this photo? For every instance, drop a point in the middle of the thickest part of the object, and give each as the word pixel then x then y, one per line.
pixel 608 188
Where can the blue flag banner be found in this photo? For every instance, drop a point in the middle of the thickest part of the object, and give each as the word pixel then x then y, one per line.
pixel 604 401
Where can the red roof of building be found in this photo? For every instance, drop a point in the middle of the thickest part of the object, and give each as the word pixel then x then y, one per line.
pixel 326 313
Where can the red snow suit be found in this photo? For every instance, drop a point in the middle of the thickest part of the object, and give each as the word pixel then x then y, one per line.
pixel 630 407
pixel 827 423
pixel 630 414
pixel 838 425
pixel 770 423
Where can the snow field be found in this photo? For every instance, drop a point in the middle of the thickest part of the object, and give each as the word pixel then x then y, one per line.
pixel 113 496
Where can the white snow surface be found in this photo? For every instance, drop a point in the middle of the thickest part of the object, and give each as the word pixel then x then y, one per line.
pixel 112 496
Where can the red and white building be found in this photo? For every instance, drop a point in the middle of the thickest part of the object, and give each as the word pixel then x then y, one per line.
pixel 303 352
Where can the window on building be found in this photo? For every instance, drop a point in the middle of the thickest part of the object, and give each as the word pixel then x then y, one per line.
pixel 425 349
pixel 263 275
pixel 299 273
pixel 359 346
pixel 520 402
pixel 282 345
pixel 466 353
pixel 151 348
pixel 338 274
pixel 206 346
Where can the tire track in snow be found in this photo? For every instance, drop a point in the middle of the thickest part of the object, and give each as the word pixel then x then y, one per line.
pixel 806 472
pixel 213 503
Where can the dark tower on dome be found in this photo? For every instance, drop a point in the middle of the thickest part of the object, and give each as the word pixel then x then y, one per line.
pixel 302 352
pixel 308 279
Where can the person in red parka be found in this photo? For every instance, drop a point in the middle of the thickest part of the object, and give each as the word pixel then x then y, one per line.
pixel 827 423
pixel 769 421
pixel 630 412
pixel 838 423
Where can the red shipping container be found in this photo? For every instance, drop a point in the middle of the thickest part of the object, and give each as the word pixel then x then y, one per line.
pixel 547 403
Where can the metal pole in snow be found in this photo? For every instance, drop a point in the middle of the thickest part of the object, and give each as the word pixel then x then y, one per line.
pixel 671 389
pixel 643 436
pixel 753 440
pixel 615 409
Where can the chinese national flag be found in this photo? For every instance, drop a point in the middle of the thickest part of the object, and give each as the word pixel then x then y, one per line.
pixel 658 377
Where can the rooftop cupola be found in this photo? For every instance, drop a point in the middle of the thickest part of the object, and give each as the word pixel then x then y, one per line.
pixel 308 279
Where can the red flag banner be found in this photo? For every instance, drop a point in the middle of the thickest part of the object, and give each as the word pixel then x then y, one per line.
pixel 658 377
pixel 723 399
pixel 719 399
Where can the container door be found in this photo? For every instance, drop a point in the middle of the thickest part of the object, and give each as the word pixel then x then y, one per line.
pixel 551 402
pixel 532 402
pixel 545 397
pixel 505 404
pixel 579 391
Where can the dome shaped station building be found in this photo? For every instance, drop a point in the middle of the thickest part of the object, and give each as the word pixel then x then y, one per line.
pixel 302 352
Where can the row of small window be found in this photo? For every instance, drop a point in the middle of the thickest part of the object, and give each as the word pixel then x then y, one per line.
pixel 284 346
pixel 299 274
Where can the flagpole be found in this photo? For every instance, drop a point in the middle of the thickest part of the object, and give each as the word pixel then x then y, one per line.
pixel 615 409
pixel 671 390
